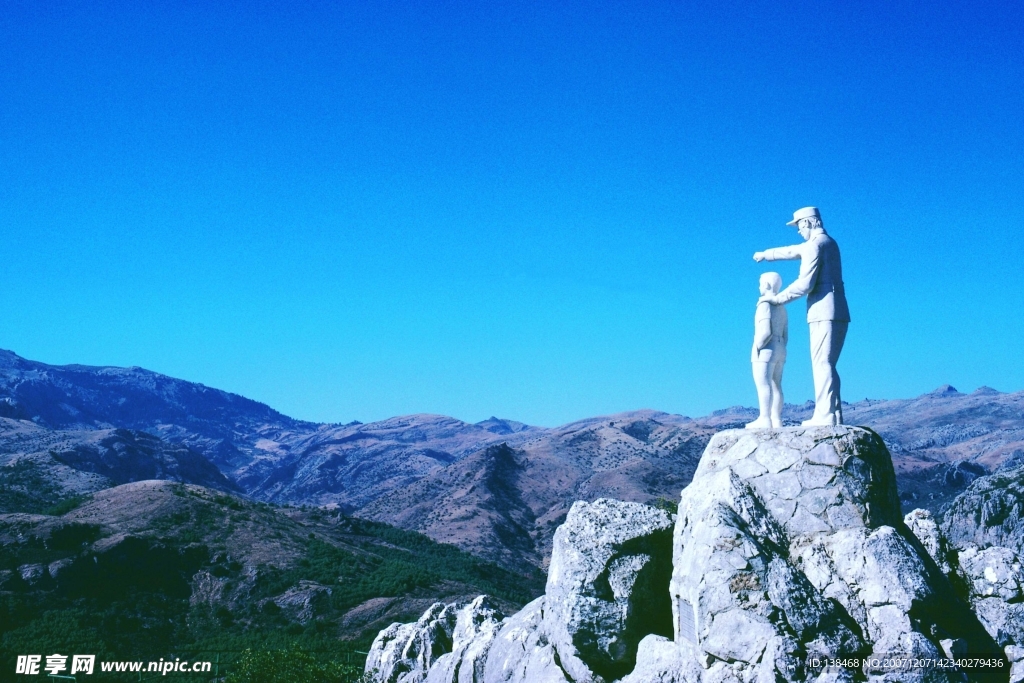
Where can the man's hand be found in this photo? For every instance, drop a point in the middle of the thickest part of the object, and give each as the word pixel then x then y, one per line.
pixel 768 298
pixel 759 256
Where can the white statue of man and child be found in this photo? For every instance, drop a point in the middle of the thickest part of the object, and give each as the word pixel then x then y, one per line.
pixel 821 281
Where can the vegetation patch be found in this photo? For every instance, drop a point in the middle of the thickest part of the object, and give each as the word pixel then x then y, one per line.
pixel 174 589
pixel 24 488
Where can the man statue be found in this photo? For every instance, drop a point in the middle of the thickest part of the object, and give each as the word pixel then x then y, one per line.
pixel 821 280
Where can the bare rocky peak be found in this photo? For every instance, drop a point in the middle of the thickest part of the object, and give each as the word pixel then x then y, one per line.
pixel 496 425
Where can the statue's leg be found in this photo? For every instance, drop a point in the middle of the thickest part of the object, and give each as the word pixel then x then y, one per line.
pixel 764 395
pixel 819 370
pixel 827 338
pixel 777 398
pixel 838 338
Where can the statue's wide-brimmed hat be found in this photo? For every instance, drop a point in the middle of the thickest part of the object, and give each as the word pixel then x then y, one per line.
pixel 806 212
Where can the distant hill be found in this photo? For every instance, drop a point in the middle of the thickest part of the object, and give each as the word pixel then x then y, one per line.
pixel 504 502
pixel 354 464
pixel 222 426
pixel 268 454
pixel 41 467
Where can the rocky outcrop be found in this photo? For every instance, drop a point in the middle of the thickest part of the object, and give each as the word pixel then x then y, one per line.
pixel 403 653
pixel 983 533
pixel 610 565
pixel 995 584
pixel 989 513
pixel 304 601
pixel 476 627
pixel 923 525
pixel 789 547
pixel 448 644
pixel 606 589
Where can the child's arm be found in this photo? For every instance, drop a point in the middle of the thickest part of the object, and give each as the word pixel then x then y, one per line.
pixel 762 326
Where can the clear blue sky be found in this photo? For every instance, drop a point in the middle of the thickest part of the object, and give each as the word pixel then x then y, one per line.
pixel 543 211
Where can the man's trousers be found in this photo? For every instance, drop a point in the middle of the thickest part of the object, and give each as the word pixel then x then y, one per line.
pixel 827 339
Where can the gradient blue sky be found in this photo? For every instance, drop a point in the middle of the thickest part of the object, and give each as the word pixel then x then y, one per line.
pixel 543 211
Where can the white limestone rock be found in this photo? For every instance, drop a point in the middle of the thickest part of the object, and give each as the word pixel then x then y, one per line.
pixel 983 530
pixel 790 543
pixel 607 588
pixel 660 660
pixel 1015 654
pixel 476 626
pixel 993 572
pixel 522 652
pixel 404 653
pixel 989 513
pixel 925 528
pixel 995 579
pixel 607 582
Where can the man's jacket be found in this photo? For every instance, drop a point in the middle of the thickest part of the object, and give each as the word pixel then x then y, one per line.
pixel 821 277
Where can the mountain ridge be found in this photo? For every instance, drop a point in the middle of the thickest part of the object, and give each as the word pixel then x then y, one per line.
pixel 941 441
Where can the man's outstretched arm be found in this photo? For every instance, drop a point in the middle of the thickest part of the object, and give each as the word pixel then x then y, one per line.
pixel 780 253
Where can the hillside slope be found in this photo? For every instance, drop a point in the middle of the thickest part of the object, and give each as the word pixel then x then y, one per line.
pixel 155 568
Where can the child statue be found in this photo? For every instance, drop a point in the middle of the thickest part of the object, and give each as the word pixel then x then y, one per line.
pixel 771 332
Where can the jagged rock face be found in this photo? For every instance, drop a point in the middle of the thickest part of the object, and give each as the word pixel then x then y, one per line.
pixel 995 580
pixel 403 653
pixel 983 530
pixel 990 512
pixel 523 652
pixel 448 644
pixel 659 660
pixel 923 525
pixel 607 589
pixel 609 573
pixel 790 543
pixel 476 627
pixel 993 572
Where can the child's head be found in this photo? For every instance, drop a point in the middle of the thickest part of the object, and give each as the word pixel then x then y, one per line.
pixel 771 283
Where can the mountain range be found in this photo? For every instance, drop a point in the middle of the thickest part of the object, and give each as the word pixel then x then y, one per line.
pixel 497 488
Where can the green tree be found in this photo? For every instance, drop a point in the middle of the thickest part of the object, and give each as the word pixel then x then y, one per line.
pixel 292 665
